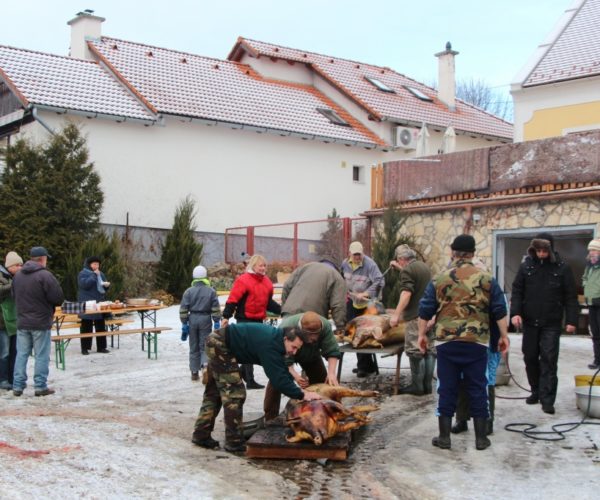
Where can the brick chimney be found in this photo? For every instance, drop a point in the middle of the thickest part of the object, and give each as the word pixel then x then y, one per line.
pixel 447 77
pixel 84 26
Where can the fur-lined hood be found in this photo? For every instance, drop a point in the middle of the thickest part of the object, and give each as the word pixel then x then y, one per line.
pixel 542 244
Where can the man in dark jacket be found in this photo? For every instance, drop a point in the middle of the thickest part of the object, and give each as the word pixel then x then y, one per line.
pixel 255 343
pixel 37 293
pixel 318 287
pixel 542 291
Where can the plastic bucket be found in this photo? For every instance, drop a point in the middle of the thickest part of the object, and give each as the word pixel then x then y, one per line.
pixel 582 395
pixel 586 380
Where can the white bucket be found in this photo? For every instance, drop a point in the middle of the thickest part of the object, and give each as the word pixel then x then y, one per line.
pixel 582 394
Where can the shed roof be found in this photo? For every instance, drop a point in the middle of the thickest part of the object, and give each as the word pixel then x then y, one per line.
pixel 64 83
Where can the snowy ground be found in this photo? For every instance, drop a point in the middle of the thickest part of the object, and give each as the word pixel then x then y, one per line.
pixel 119 426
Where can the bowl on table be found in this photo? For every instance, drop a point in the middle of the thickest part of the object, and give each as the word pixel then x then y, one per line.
pixel 137 302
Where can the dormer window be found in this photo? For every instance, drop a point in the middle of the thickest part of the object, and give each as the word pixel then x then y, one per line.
pixel 418 94
pixel 333 117
pixel 379 85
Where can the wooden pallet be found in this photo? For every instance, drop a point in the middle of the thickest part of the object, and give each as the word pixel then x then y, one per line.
pixel 270 442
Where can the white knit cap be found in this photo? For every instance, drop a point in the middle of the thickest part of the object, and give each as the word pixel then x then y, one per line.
pixel 199 272
pixel 594 245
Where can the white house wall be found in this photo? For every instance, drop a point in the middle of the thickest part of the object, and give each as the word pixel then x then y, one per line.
pixel 237 177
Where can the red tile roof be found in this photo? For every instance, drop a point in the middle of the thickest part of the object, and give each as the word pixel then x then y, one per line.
pixel 575 52
pixel 401 107
pixel 65 83
pixel 200 87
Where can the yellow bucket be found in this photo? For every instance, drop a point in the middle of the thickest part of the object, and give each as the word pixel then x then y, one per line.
pixel 585 380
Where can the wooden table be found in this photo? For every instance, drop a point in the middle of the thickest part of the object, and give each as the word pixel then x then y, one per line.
pixel 390 350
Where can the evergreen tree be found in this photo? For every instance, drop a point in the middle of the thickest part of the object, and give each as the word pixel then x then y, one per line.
pixel 181 253
pixel 387 237
pixel 113 266
pixel 49 195
pixel 332 239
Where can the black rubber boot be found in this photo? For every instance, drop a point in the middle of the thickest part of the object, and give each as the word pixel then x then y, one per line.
pixel 459 426
pixel 492 405
pixel 428 376
pixel 481 440
pixel 443 440
pixel 417 371
pixel 534 398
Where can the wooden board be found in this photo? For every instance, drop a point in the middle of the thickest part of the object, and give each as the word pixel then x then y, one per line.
pixel 271 443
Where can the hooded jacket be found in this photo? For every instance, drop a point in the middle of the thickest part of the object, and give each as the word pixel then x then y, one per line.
pixel 544 289
pixel 88 288
pixel 37 293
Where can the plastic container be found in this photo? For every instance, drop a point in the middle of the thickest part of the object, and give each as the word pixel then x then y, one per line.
pixel 583 397
pixel 585 380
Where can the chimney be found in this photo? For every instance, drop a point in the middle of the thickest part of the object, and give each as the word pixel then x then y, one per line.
pixel 84 26
pixel 446 77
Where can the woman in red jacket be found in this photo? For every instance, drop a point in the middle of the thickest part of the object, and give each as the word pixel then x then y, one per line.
pixel 250 298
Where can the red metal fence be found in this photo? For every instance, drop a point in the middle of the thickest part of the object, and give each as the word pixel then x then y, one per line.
pixel 297 242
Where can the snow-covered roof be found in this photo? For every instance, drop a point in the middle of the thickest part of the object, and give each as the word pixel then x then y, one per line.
pixel 572 50
pixel 200 87
pixel 398 105
pixel 65 83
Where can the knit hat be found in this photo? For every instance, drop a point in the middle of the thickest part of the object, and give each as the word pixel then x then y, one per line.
pixel 593 245
pixel 93 258
pixel 356 247
pixel 12 259
pixel 199 272
pixel 404 252
pixel 463 243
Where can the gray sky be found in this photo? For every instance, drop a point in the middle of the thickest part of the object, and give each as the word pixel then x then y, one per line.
pixel 494 38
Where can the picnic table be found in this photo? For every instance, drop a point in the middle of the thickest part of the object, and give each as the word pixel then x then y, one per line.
pixel 146 313
pixel 386 351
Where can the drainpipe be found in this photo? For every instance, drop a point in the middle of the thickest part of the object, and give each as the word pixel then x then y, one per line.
pixel 469 219
pixel 35 115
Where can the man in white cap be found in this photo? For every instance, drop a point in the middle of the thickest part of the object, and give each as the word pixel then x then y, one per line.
pixel 591 291
pixel 364 281
pixel 199 308
pixel 8 320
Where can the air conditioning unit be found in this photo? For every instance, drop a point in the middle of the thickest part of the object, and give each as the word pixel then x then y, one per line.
pixel 405 137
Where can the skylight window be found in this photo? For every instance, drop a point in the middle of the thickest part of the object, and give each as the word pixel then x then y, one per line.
pixel 333 117
pixel 418 94
pixel 380 85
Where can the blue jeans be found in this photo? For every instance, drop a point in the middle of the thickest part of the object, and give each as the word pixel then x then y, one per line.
pixel 37 341
pixel 4 343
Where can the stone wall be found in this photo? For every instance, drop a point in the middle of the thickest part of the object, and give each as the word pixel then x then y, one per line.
pixel 434 231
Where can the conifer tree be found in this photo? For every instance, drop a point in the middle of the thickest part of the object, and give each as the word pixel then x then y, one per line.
pixel 181 252
pixel 387 237
pixel 49 195
pixel 332 238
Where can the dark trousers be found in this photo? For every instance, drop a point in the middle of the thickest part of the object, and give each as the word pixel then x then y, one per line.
pixel 595 328
pixel 12 356
pixel 315 371
pixel 364 362
pixel 87 326
pixel 540 349
pixel 247 370
pixel 458 360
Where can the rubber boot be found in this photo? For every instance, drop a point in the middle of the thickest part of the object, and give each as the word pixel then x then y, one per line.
pixel 428 376
pixel 459 426
pixel 443 440
pixel 481 440
pixel 492 406
pixel 417 371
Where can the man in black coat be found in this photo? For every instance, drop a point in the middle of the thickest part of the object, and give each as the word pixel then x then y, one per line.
pixel 543 290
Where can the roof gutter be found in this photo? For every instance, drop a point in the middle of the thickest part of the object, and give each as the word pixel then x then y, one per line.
pixel 36 117
pixel 93 114
pixel 280 132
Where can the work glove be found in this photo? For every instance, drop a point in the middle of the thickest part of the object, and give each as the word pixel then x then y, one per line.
pixel 185 331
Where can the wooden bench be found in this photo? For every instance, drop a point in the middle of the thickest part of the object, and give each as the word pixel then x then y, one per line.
pixel 150 334
pixel 72 322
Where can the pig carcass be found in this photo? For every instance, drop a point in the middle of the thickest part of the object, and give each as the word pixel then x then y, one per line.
pixel 320 420
pixel 373 330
